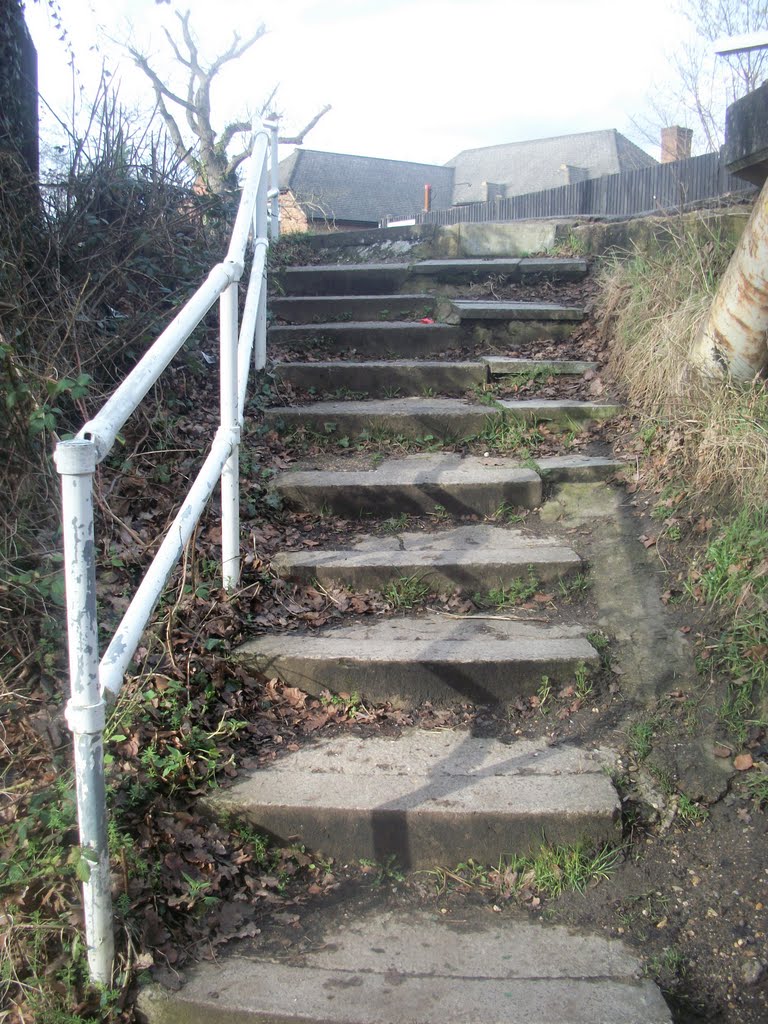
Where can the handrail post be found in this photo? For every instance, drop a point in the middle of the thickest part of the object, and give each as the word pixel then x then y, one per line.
pixel 76 464
pixel 274 221
pixel 261 227
pixel 230 420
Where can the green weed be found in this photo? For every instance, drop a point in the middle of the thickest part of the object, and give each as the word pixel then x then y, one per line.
pixel 549 872
pixel 507 513
pixel 670 963
pixel 502 434
pixel 383 872
pixel 602 645
pixel 396 524
pixel 733 569
pixel 510 594
pixel 575 585
pixel 690 812
pixel 544 694
pixel 757 787
pixel 406 592
pixel 350 704
pixel 640 735
pixel 582 683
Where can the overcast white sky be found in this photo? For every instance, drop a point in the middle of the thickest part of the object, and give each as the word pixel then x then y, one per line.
pixel 408 79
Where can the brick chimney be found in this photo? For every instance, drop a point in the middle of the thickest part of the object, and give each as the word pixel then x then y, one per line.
pixel 675 143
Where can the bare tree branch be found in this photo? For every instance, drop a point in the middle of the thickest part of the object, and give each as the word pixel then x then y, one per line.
pixel 160 88
pixel 208 159
pixel 298 140
pixel 704 85
pixel 235 161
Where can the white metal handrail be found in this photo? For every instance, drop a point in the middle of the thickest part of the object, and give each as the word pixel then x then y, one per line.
pixel 92 680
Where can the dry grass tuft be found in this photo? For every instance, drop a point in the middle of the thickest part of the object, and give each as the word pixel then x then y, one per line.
pixel 716 433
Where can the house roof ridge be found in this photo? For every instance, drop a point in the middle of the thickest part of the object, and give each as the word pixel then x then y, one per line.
pixel 527 142
pixel 359 156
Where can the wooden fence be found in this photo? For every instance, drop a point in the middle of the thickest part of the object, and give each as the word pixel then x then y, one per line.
pixel 661 188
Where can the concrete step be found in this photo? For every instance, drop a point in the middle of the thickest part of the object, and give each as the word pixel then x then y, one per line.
pixel 419 484
pixel 440 418
pixel 543 312
pixel 500 366
pixel 369 338
pixel 325 308
pixel 476 557
pixel 380 278
pixel 389 965
pixel 579 469
pixel 429 657
pixel 384 378
pixel 341 279
pixel 427 798
pixel 460 271
pixel 562 414
pixel 416 485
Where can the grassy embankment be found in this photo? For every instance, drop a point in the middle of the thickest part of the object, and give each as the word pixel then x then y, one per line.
pixel 705 455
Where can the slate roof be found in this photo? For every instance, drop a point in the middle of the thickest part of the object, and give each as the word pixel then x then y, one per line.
pixel 535 165
pixel 341 187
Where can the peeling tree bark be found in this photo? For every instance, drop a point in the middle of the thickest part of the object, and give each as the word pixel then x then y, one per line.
pixel 733 341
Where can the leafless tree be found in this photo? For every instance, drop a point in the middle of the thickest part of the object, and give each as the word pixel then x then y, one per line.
pixel 703 85
pixel 209 156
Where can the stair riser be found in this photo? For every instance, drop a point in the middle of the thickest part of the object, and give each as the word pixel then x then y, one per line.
pixel 445 579
pixel 373 342
pixel 381 341
pixel 407 684
pixel 442 427
pixel 383 381
pixel 419 840
pixel 427 275
pixel 485 335
pixel 528 270
pixel 310 281
pixel 499 367
pixel 418 499
pixel 569 415
pixel 324 309
pixel 447 427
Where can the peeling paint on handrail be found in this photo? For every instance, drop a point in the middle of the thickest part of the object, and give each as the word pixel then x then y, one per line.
pixel 91 681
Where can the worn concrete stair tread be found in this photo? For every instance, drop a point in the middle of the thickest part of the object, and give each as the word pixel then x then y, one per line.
pixel 575 469
pixel 380 278
pixel 371 337
pixel 411 417
pixel 514 269
pixel 427 797
pixel 536 410
pixel 342 278
pixel 467 556
pixel 302 309
pixel 427 657
pixel 415 485
pixel 461 485
pixel 382 377
pixel 481 309
pixel 501 366
pixel 386 967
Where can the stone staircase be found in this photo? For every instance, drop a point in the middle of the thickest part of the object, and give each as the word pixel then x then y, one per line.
pixel 438 797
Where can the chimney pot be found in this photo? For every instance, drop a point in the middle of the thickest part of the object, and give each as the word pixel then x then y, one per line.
pixel 675 143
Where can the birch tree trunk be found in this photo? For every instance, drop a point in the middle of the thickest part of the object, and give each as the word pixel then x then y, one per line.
pixel 733 341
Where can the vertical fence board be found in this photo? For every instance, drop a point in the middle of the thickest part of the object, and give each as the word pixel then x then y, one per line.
pixel 658 189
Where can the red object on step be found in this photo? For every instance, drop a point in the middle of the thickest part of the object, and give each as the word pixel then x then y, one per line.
pixel 426 320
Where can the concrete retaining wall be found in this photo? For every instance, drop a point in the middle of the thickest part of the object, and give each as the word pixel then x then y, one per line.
pixel 523 238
